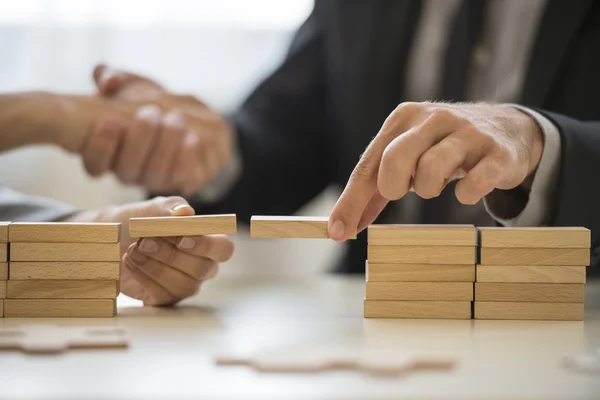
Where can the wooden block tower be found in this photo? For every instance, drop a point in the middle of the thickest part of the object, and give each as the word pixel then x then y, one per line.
pixel 532 273
pixel 420 271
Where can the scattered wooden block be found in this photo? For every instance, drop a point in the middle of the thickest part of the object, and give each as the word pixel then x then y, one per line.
pixel 3 271
pixel 418 309
pixel 422 235
pixel 59 289
pixel 3 289
pixel 531 274
pixel 23 270
pixel 421 254
pixel 195 225
pixel 59 308
pixel 3 252
pixel 420 272
pixel 536 237
pixel 529 292
pixel 64 232
pixel 289 227
pixel 524 256
pixel 529 311
pixel 457 291
pixel 65 252
pixel 4 231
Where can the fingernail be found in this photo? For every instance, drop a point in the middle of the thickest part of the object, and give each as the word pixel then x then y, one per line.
pixel 187 243
pixel 174 118
pixel 149 113
pixel 337 230
pixel 137 256
pixel 148 245
pixel 180 207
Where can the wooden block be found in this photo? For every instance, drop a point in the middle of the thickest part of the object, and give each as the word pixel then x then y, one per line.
pixel 536 237
pixel 420 273
pixel 3 289
pixel 418 309
pixel 457 291
pixel 65 252
pixel 533 311
pixel 58 308
pixel 59 289
pixel 1 308
pixel 529 292
pixel 3 252
pixel 422 235
pixel 421 254
pixel 22 270
pixel 64 232
pixel 263 226
pixel 4 231
pixel 531 274
pixel 3 271
pixel 195 225
pixel 524 256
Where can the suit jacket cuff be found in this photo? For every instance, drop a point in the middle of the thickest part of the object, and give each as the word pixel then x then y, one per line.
pixel 516 207
pixel 17 207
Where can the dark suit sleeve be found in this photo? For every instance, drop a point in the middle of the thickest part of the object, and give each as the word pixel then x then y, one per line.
pixel 282 134
pixel 577 195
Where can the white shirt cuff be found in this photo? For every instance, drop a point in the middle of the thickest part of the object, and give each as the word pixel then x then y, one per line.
pixel 537 209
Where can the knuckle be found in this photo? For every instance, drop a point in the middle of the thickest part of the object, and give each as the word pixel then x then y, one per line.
pixel 441 116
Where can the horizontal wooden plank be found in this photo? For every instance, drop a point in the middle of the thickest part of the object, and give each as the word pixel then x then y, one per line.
pixel 65 252
pixel 22 270
pixel 420 272
pixel 1 308
pixel 4 231
pixel 540 256
pixel 456 291
pixel 3 289
pixel 296 227
pixel 61 289
pixel 3 271
pixel 195 225
pixel 422 235
pixel 529 292
pixel 536 237
pixel 421 254
pixel 59 308
pixel 531 273
pixel 3 252
pixel 417 309
pixel 529 311
pixel 64 232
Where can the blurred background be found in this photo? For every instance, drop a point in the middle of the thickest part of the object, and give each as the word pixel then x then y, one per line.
pixel 215 50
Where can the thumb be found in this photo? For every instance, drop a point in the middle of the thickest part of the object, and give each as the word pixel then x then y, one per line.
pixel 110 80
pixel 172 206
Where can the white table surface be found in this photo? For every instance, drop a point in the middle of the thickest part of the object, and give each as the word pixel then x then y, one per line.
pixel 172 350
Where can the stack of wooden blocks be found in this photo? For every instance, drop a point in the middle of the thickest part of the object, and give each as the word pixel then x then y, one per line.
pixel 3 263
pixel 61 269
pixel 420 271
pixel 532 273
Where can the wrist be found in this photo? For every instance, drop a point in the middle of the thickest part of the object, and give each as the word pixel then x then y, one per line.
pixel 533 136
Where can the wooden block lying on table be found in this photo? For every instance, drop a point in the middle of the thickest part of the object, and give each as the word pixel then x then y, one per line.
pixel 64 232
pixel 3 252
pixel 267 226
pixel 65 252
pixel 3 271
pixel 531 274
pixel 4 231
pixel 535 311
pixel 3 289
pixel 422 235
pixel 456 291
pixel 417 309
pixel 61 289
pixel 22 270
pixel 530 292
pixel 420 272
pixel 536 237
pixel 194 225
pixel 524 256
pixel 58 308
pixel 421 254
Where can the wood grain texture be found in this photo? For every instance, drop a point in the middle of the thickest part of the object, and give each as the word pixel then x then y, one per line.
pixel 420 273
pixel 195 225
pixel 421 254
pixel 417 309
pixel 64 232
pixel 536 237
pixel 272 227
pixel 529 311
pixel 3 271
pixel 422 235
pixel 456 291
pixel 529 292
pixel 65 252
pixel 3 252
pixel 3 289
pixel 61 289
pixel 22 270
pixel 531 273
pixel 59 308
pixel 523 256
pixel 4 231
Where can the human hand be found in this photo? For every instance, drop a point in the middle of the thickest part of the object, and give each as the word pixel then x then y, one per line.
pixel 165 270
pixel 422 146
